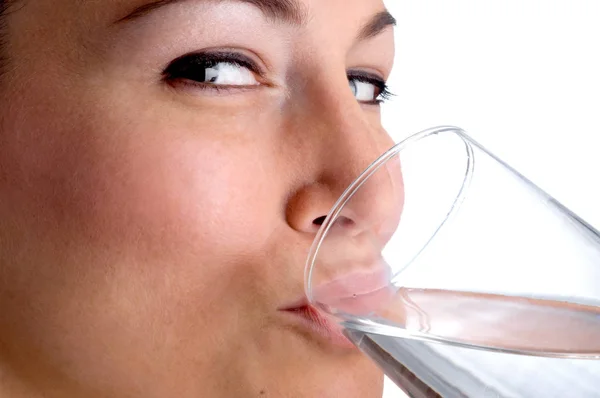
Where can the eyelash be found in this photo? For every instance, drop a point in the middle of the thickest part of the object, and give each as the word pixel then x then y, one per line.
pixel 365 77
pixel 177 70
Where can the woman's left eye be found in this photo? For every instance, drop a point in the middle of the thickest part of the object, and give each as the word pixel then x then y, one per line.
pixel 368 89
pixel 214 70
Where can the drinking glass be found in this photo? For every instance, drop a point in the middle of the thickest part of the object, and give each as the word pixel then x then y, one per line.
pixel 459 277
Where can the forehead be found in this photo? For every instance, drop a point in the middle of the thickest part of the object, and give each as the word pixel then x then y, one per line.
pixel 84 31
pixel 112 10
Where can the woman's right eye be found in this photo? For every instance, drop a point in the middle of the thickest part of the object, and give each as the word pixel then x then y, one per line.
pixel 213 69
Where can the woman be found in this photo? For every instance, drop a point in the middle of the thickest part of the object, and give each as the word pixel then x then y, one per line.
pixel 164 166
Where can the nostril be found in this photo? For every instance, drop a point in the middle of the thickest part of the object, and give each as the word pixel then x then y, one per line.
pixel 341 221
pixel 319 221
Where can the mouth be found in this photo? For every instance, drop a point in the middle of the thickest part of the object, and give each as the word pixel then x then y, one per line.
pixel 359 293
pixel 319 325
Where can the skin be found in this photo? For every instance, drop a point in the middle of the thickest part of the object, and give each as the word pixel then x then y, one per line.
pixel 152 232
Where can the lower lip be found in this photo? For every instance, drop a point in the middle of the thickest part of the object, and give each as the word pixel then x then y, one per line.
pixel 325 329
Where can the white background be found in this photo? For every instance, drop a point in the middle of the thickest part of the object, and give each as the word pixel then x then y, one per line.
pixel 522 77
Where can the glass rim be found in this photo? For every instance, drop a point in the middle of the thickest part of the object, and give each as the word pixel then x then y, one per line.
pixel 372 169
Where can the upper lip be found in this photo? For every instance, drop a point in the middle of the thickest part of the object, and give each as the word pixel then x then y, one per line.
pixel 347 286
pixel 355 293
pixel 351 285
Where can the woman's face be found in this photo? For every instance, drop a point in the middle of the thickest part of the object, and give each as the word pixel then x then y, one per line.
pixel 162 176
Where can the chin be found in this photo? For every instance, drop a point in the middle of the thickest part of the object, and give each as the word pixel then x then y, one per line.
pixel 337 387
pixel 301 363
pixel 351 377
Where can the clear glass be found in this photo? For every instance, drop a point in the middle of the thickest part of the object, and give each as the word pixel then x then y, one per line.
pixel 460 277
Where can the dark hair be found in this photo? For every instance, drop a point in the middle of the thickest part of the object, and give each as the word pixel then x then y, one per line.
pixel 4 4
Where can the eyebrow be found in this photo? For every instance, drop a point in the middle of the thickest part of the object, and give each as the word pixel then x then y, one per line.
pixel 285 10
pixel 376 25
pixel 290 11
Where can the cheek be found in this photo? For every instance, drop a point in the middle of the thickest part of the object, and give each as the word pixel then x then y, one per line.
pixel 181 195
pixel 155 230
pixel 149 203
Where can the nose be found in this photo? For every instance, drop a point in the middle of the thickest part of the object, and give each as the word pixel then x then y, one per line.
pixel 342 139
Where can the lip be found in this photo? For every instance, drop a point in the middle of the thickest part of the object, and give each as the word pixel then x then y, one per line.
pixel 358 293
pixel 319 325
pixel 355 283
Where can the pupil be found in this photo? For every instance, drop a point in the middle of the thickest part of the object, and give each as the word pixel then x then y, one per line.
pixel 211 74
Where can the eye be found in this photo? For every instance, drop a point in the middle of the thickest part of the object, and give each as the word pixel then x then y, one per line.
pixel 368 88
pixel 223 69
